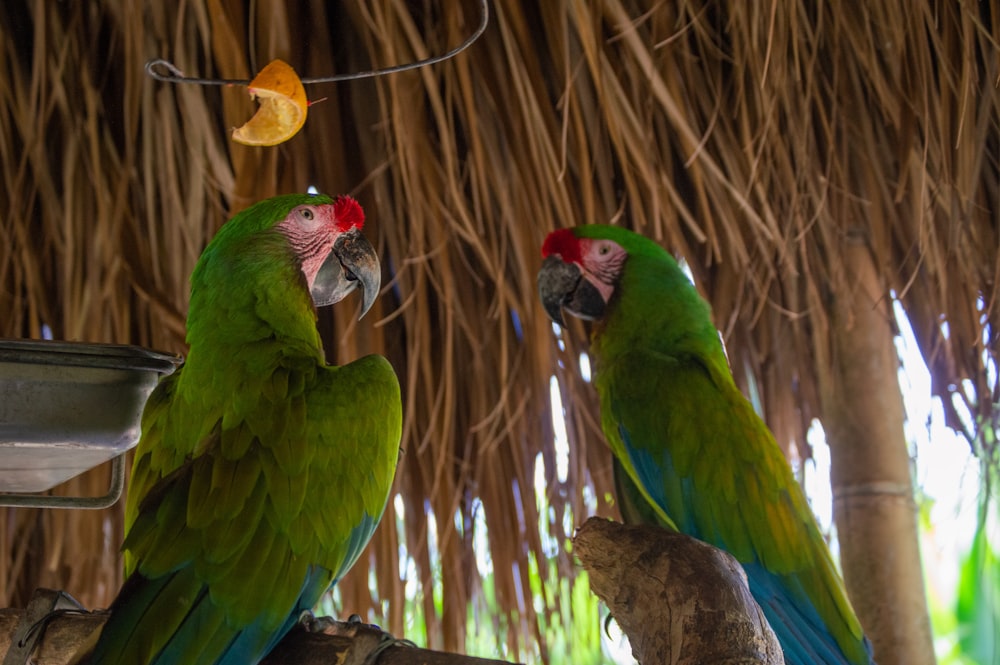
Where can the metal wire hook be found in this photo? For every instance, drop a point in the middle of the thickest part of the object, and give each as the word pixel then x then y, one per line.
pixel 164 70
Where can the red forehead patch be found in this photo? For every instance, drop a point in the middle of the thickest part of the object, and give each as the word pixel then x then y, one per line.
pixel 563 243
pixel 348 213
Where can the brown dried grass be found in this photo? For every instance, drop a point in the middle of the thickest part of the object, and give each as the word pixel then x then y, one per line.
pixel 753 139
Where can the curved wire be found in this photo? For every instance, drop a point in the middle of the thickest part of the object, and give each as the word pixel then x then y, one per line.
pixel 174 75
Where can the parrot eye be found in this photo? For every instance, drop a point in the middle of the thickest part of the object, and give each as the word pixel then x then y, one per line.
pixel 307 218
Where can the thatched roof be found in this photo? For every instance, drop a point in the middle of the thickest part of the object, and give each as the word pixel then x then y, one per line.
pixel 753 139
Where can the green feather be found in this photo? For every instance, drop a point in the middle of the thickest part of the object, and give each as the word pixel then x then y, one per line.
pixel 230 536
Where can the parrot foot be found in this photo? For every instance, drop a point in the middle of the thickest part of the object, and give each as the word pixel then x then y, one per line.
pixel 331 626
pixel 354 628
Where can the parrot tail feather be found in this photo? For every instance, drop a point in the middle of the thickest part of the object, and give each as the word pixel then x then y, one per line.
pixel 134 605
pixel 804 636
pixel 255 641
pixel 197 632
pixel 148 625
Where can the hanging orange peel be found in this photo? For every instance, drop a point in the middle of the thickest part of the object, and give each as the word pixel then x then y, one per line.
pixel 283 106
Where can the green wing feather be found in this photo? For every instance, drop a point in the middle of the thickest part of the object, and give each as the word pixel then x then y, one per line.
pixel 295 509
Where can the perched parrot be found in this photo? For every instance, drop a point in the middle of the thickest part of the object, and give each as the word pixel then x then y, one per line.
pixel 261 471
pixel 690 452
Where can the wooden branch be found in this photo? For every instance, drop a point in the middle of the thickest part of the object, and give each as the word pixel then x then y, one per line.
pixel 340 643
pixel 679 600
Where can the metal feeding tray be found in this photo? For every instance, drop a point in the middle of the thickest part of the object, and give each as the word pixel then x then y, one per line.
pixel 68 407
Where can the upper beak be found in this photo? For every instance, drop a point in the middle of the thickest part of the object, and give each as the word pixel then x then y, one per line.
pixel 352 262
pixel 561 286
pixel 556 281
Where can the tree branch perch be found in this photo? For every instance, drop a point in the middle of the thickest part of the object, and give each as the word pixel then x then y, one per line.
pixel 340 643
pixel 678 599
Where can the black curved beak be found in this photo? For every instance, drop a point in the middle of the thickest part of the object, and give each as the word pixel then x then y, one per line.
pixel 352 263
pixel 561 287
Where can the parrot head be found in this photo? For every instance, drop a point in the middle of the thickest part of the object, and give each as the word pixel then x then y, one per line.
pixel 620 279
pixel 336 257
pixel 581 271
pixel 322 234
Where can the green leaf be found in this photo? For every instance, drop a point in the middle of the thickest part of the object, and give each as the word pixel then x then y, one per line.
pixel 978 603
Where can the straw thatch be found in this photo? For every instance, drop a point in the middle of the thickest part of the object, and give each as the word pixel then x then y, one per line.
pixel 754 139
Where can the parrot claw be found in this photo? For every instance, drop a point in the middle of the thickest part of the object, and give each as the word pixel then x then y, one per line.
pixel 331 626
pixel 355 620
pixel 608 620
pixel 312 623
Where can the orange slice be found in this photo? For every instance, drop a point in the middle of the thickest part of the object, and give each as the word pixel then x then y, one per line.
pixel 282 109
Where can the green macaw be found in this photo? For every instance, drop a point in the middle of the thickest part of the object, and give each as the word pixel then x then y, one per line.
pixel 690 452
pixel 261 472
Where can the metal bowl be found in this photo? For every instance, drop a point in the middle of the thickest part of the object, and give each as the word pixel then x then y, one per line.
pixel 68 407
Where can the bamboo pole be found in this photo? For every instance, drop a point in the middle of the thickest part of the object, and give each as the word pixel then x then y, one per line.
pixel 874 508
